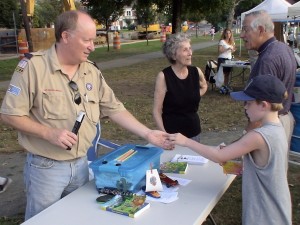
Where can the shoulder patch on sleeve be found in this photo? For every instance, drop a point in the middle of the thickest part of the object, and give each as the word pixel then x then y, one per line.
pixel 21 65
pixel 23 62
pixel 12 89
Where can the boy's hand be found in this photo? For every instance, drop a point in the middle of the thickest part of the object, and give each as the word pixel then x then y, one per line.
pixel 161 139
pixel 178 139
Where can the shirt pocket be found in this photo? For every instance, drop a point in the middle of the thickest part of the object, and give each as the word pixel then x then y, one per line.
pixel 55 105
pixel 91 105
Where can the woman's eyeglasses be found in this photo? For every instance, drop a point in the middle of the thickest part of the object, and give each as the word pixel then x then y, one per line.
pixel 74 87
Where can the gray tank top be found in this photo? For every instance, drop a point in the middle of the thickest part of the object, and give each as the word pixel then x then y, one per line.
pixel 266 195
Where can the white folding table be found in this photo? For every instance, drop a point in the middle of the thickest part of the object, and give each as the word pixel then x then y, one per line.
pixel 237 64
pixel 196 201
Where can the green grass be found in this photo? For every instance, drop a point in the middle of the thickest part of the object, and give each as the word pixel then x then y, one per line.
pixel 101 54
pixel 6 68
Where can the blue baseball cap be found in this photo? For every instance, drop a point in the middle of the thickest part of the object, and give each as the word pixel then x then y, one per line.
pixel 262 87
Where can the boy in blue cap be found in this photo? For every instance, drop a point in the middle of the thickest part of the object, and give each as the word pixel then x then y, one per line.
pixel 265 191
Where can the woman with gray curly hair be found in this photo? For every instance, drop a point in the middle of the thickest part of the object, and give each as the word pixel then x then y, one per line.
pixel 178 90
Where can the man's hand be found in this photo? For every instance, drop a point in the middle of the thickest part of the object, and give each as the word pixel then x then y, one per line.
pixel 160 138
pixel 62 138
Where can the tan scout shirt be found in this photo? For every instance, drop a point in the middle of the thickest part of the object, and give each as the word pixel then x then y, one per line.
pixel 40 90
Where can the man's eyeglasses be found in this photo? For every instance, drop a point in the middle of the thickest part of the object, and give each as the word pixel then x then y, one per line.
pixel 246 29
pixel 74 87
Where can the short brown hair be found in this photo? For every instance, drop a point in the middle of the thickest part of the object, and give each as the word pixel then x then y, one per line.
pixel 66 21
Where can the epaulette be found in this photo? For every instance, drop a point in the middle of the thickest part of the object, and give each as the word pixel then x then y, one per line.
pixel 28 55
pixel 95 65
pixel 91 62
pixel 31 54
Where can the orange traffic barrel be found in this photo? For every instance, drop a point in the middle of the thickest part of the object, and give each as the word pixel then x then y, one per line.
pixel 117 42
pixel 163 37
pixel 23 48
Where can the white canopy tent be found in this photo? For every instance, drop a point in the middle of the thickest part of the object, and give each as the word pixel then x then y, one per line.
pixel 294 10
pixel 278 9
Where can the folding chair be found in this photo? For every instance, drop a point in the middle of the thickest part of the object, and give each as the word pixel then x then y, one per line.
pixel 210 72
pixel 92 152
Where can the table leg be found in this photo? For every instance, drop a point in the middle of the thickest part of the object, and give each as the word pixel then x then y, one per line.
pixel 242 74
pixel 210 217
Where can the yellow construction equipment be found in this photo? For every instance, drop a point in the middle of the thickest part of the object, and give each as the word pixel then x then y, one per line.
pixel 153 29
pixel 30 7
pixel 68 5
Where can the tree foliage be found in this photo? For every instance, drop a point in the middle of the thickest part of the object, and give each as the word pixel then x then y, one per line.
pixel 7 8
pixel 221 11
pixel 174 8
pixel 146 13
pixel 45 12
pixel 106 11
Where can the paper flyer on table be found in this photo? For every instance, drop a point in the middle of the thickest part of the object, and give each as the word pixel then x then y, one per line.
pixel 190 159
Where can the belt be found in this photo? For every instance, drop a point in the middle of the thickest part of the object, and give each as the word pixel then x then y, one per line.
pixel 39 156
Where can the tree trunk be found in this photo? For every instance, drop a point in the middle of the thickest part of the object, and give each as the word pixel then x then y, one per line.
pixel 147 34
pixel 107 37
pixel 107 40
pixel 234 4
pixel 230 17
pixel 176 19
pixel 26 26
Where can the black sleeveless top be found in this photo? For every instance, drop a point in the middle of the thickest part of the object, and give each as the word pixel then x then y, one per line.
pixel 181 103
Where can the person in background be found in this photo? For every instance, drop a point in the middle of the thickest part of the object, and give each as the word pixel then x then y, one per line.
pixel 47 92
pixel 4 183
pixel 265 190
pixel 225 48
pixel 292 39
pixel 274 57
pixel 178 90
pixel 212 33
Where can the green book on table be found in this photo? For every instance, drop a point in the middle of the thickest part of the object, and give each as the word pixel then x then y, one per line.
pixel 131 206
pixel 174 167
